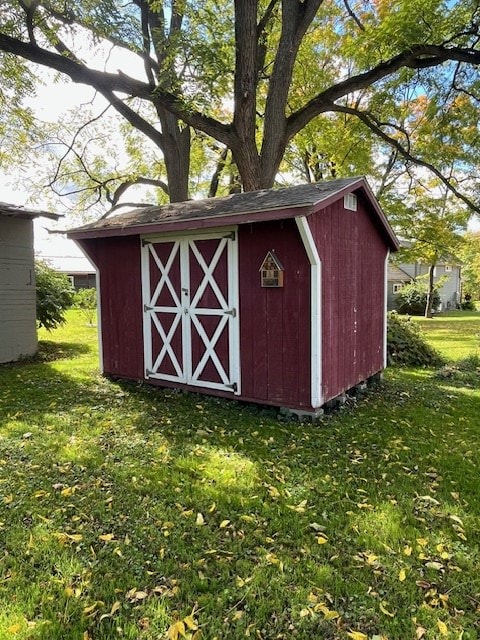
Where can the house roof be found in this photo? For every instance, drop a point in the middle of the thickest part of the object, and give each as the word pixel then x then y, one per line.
pixel 397 274
pixel 73 265
pixel 15 211
pixel 240 208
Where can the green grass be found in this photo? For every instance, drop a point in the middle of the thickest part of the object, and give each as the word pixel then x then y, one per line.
pixel 140 513
pixel 455 334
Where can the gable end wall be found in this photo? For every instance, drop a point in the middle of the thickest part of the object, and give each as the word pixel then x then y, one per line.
pixel 353 253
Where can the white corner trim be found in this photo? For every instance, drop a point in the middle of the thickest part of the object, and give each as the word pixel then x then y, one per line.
pixel 99 308
pixel 315 309
pixel 385 302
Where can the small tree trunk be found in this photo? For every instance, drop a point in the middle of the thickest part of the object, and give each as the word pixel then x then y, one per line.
pixel 430 292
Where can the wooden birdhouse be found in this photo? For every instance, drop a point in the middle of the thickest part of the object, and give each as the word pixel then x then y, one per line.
pixel 271 271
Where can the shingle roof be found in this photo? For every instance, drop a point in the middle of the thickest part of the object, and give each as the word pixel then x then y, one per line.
pixel 16 211
pixel 240 208
pixel 397 274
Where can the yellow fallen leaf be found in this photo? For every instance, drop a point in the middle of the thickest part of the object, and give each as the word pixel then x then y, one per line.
pixel 407 550
pixel 115 608
pixel 442 627
pixel 14 628
pixel 190 622
pixel 200 521
pixel 175 630
pixel 224 523
pixel 357 635
pixel 422 542
pixel 384 610
pixel 402 575
pixel 92 608
pixel 8 499
pixel 322 539
pixel 106 537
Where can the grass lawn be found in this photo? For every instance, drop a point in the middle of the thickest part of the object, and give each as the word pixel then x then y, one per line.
pixel 455 334
pixel 139 513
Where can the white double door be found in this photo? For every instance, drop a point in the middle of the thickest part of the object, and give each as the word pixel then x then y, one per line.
pixel 190 309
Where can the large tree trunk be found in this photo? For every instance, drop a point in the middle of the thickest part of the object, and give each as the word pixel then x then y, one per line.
pixel 176 154
pixel 430 292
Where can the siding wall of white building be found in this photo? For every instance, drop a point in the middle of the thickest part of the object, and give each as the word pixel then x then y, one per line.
pixel 18 335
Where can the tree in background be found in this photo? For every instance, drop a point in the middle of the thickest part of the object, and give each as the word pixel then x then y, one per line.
pixel 469 253
pixel 431 222
pixel 54 295
pixel 86 301
pixel 250 76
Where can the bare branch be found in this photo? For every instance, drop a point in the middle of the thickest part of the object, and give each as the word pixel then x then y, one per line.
pixel 372 123
pixel 417 57
pixel 353 15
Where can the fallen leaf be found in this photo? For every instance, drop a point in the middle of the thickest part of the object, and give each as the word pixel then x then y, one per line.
pixel 384 610
pixel 106 537
pixel 357 635
pixel 442 627
pixel 200 521
pixel 224 523
pixel 402 575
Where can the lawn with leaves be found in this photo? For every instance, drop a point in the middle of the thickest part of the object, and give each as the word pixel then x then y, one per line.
pixel 139 513
pixel 455 334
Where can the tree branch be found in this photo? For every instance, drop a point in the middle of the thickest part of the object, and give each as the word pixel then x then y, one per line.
pixel 374 125
pixel 417 57
pixel 110 82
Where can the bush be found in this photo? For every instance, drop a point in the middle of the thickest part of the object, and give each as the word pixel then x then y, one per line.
pixel 406 344
pixel 54 295
pixel 412 299
pixel 86 301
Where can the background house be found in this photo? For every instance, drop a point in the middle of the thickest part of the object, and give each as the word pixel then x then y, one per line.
pixel 397 278
pixel 447 274
pixel 78 269
pixel 18 331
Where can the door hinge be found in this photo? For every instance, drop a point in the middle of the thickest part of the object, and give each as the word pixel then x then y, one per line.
pixel 233 386
pixel 231 312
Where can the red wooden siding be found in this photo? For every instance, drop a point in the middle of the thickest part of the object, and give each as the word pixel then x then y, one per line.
pixel 274 323
pixel 118 260
pixel 353 254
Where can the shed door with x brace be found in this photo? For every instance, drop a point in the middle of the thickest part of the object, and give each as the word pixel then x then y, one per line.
pixel 190 301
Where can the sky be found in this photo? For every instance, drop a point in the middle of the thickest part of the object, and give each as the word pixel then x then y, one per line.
pixel 51 101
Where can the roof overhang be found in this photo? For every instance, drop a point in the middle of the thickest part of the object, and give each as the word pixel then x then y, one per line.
pixel 194 224
pixel 14 211
pixel 194 219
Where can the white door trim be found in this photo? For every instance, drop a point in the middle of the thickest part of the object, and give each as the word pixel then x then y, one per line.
pixel 315 310
pixel 184 245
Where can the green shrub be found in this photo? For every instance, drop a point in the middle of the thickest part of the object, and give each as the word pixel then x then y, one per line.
pixel 86 301
pixel 406 344
pixel 54 295
pixel 412 299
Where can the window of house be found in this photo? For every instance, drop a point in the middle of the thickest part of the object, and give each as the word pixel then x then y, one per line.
pixel 397 287
pixel 448 268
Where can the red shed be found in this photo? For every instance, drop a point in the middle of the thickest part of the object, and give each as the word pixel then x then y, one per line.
pixel 275 297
